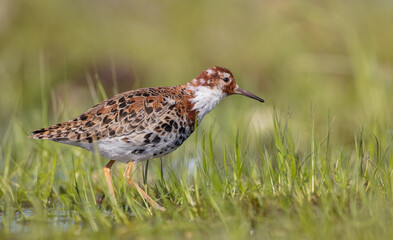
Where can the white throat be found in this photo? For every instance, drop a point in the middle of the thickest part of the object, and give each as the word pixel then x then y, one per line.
pixel 205 99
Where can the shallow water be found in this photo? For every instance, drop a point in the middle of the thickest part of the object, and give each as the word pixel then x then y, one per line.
pixel 25 221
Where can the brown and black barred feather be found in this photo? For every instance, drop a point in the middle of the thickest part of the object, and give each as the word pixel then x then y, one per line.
pixel 124 114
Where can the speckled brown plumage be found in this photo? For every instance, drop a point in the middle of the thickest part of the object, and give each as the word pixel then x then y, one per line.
pixel 136 111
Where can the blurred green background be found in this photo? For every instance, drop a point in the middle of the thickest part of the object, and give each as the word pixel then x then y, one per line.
pixel 325 61
pixel 330 55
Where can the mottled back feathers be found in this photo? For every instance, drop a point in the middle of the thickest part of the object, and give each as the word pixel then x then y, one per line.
pixel 136 111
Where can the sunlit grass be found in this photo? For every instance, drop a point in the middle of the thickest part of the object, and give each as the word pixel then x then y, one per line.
pixel 245 187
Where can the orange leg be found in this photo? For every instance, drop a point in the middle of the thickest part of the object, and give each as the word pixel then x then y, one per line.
pixel 143 193
pixel 107 173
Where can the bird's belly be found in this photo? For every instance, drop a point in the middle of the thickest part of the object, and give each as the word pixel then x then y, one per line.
pixel 116 149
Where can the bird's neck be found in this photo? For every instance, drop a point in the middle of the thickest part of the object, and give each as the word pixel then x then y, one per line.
pixel 205 99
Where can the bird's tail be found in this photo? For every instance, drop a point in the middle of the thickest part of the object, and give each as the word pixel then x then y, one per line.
pixel 52 132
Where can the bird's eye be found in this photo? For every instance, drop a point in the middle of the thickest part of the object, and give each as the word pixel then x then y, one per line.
pixel 225 79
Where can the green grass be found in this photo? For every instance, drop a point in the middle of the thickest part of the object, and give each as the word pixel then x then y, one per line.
pixel 275 188
pixel 313 162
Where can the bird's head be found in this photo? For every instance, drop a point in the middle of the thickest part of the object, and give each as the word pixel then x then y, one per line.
pixel 221 79
pixel 211 86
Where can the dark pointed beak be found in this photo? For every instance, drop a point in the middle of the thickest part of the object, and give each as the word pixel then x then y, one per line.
pixel 247 94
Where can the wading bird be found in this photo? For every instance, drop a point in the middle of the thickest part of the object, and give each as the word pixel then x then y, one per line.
pixel 145 123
